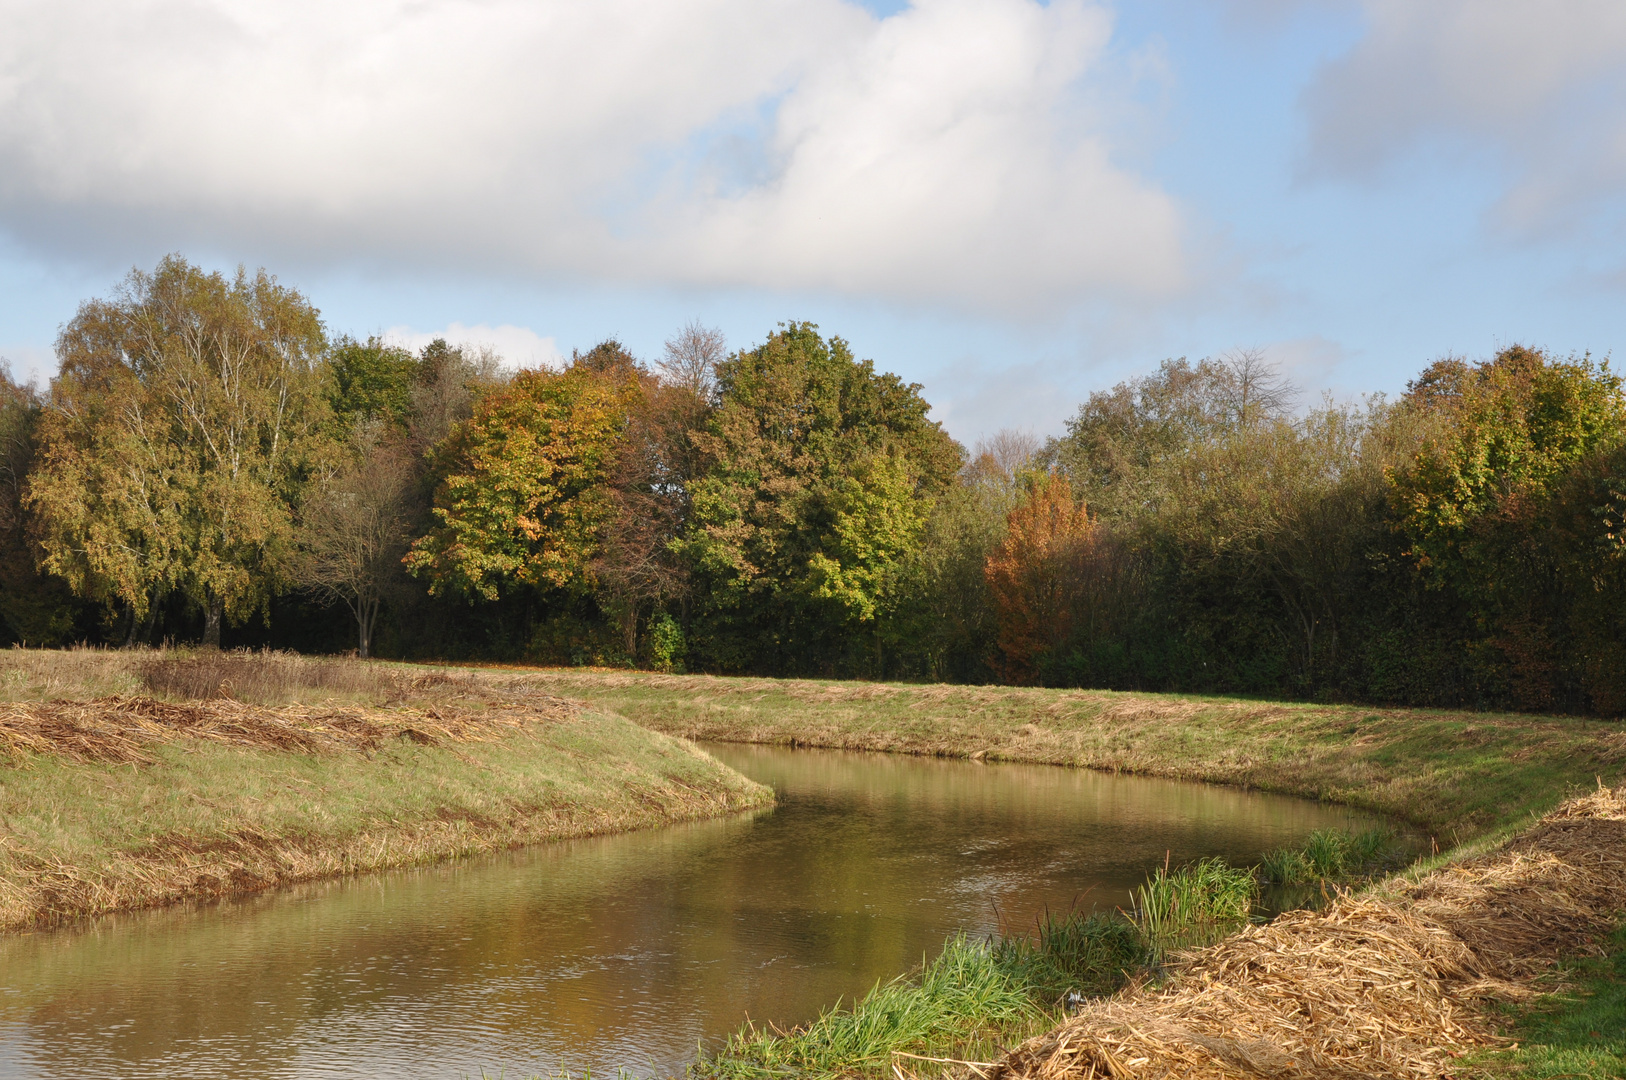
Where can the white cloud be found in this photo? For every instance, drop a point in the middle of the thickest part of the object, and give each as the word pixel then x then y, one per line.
pixel 519 346
pixel 947 152
pixel 1542 87
pixel 29 363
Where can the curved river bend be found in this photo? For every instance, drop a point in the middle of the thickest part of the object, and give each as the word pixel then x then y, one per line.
pixel 623 951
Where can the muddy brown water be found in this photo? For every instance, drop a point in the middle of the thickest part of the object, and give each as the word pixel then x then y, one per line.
pixel 618 952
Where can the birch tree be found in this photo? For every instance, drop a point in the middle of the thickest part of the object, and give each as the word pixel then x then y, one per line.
pixel 185 424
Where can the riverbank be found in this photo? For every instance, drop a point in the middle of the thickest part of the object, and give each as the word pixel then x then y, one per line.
pixel 1424 975
pixel 111 801
pixel 1457 775
pixel 1402 982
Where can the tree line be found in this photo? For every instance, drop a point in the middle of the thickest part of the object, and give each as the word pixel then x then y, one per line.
pixel 211 465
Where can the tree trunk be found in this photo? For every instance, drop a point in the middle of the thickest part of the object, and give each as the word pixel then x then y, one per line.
pixel 130 637
pixel 214 611
pixel 365 614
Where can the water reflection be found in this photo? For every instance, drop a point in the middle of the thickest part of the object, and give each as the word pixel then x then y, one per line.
pixel 622 951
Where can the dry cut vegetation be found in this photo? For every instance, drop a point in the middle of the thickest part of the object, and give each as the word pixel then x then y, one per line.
pixel 1394 984
pixel 127 800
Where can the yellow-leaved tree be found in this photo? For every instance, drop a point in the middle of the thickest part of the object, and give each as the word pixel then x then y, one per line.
pixel 184 426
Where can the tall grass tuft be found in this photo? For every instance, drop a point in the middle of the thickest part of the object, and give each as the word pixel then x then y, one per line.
pixel 1194 905
pixel 1328 854
pixel 975 997
pixel 960 998
pixel 1085 954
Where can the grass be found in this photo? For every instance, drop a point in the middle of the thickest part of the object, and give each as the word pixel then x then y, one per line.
pixel 1327 854
pixel 975 997
pixel 1579 1032
pixel 978 997
pixel 103 809
pixel 1456 775
pixel 1195 905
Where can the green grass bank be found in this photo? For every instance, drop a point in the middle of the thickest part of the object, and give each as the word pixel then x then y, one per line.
pixel 133 780
pixel 1456 774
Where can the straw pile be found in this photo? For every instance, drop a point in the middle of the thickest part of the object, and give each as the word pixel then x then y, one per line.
pixel 121 730
pixel 1381 986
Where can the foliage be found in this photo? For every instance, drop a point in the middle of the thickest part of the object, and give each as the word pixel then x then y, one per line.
pixel 35 609
pixel 819 476
pixel 522 500
pixel 372 380
pixel 187 419
pixel 1476 508
pixel 666 648
pixel 1035 574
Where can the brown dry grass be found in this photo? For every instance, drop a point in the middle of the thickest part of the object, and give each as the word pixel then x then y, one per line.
pixel 1390 985
pixel 120 729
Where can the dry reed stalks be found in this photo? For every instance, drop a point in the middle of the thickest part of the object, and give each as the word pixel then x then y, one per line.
pixel 1382 986
pixel 119 729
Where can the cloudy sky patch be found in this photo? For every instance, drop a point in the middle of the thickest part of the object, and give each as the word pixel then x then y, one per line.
pixel 1010 201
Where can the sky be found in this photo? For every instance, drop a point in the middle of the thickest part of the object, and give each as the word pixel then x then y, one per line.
pixel 1012 203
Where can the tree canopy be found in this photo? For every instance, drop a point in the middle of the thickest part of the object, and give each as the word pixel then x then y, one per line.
pixel 188 416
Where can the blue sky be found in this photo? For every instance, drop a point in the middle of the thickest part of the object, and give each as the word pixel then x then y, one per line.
pixel 1011 203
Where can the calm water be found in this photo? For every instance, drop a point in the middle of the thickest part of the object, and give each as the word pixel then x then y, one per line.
pixel 623 951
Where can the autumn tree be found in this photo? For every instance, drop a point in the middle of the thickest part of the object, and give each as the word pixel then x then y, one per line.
pixel 1475 505
pixel 523 496
pixel 947 627
pixel 1036 572
pixel 35 608
pixel 178 438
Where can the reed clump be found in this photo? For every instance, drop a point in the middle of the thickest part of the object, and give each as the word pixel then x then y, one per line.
pixel 1328 855
pixel 1394 984
pixel 1194 905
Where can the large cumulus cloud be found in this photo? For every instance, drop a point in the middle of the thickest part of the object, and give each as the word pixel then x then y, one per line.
pixel 951 152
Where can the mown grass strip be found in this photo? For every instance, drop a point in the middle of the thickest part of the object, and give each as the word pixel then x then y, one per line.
pixel 1455 774
pixel 198 817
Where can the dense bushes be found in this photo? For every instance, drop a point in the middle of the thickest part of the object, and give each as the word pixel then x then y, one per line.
pixel 208 462
pixel 1459 546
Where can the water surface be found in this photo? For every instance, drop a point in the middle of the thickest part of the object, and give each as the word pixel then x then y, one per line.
pixel 622 951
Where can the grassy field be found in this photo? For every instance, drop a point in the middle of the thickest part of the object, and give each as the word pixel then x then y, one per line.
pixel 116 798
pixel 1456 774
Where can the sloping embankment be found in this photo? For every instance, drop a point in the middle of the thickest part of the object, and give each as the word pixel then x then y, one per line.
pixel 1383 986
pixel 128 802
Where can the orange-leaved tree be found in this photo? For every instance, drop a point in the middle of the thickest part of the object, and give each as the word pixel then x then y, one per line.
pixel 1034 574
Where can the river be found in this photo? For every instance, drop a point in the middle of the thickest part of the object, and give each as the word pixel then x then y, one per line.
pixel 613 952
